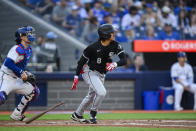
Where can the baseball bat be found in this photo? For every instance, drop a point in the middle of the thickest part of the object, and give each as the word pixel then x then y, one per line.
pixel 29 120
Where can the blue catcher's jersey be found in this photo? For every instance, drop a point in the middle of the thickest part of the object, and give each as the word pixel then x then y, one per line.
pixel 16 60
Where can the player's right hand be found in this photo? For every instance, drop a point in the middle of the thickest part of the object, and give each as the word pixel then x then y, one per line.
pixel 24 76
pixel 186 88
pixel 75 83
pixel 111 66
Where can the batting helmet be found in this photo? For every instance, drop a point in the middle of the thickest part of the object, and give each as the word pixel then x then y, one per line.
pixel 25 31
pixel 181 54
pixel 105 31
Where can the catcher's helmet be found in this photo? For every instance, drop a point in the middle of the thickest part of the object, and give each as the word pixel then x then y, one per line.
pixel 25 31
pixel 181 54
pixel 105 31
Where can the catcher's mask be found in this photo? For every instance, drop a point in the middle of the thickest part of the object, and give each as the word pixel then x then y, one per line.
pixel 25 31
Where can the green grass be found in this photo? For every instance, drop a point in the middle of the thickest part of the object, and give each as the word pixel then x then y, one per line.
pixel 88 128
pixel 117 116
pixel 106 116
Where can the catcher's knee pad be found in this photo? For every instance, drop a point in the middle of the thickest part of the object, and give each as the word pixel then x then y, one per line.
pixel 28 98
pixel 36 93
pixel 3 97
pixel 33 95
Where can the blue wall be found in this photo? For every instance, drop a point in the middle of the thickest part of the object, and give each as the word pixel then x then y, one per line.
pixel 151 80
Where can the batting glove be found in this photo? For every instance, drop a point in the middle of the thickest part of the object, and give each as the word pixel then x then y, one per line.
pixel 75 83
pixel 111 66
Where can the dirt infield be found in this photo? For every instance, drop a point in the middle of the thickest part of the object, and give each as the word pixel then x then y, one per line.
pixel 105 111
pixel 185 124
pixel 188 124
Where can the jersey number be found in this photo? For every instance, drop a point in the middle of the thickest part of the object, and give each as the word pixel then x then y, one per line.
pixel 99 60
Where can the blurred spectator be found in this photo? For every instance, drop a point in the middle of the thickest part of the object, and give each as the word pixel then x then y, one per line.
pixel 167 3
pixel 49 68
pixel 116 16
pixel 139 6
pixel 37 49
pixel 72 22
pixel 192 29
pixel 168 33
pixel 90 30
pixel 125 68
pixel 183 20
pixel 155 6
pixel 126 39
pixel 150 35
pixel 45 8
pixel 182 79
pixel 181 5
pixel 98 11
pixel 87 6
pixel 107 19
pixel 138 64
pixel 122 8
pixel 150 18
pixel 193 24
pixel 166 16
pixel 50 48
pixel 82 11
pixel 122 4
pixel 33 3
pixel 131 19
pixel 127 36
pixel 60 12
pixel 106 5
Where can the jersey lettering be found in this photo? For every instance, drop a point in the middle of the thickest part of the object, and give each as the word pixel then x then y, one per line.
pixel 98 60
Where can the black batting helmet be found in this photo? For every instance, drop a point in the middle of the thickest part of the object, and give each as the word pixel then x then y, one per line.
pixel 105 31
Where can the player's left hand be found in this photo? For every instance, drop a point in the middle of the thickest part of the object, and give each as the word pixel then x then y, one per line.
pixel 186 88
pixel 24 76
pixel 29 77
pixel 75 83
pixel 111 66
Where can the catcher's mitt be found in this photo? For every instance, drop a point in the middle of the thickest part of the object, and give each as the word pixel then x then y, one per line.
pixel 30 77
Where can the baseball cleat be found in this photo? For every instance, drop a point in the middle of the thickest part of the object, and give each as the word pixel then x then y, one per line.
pixel 93 119
pixel 17 116
pixel 78 118
pixel 178 108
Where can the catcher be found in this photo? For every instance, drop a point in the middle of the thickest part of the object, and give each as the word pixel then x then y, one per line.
pixel 14 78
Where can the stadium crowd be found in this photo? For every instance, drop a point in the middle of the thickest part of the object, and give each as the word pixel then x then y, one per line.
pixel 134 19
pixel 148 19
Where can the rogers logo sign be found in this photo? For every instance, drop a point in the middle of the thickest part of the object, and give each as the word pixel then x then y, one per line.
pixel 178 45
pixel 165 46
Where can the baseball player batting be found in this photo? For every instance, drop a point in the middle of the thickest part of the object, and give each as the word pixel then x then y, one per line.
pixel 182 79
pixel 98 58
pixel 14 78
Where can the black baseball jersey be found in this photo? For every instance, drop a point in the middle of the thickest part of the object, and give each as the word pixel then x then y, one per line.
pixel 97 56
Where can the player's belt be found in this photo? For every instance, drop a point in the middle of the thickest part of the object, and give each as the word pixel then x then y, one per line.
pixel 99 72
pixel 9 75
pixel 103 73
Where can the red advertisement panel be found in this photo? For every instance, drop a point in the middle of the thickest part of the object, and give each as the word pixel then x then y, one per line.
pixel 164 45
